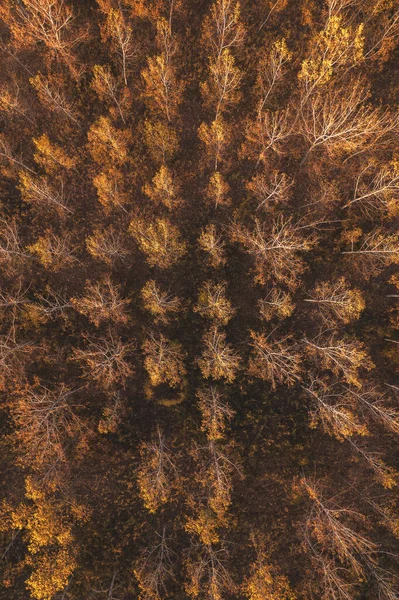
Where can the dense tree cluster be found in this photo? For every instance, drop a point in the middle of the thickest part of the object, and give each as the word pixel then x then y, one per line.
pixel 199 259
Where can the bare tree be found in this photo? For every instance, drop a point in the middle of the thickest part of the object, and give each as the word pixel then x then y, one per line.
pixel 156 472
pixel 215 412
pixel 276 304
pixel 218 359
pixel 223 29
pixel 160 304
pixel 276 251
pixel 377 250
pixel 154 568
pixel 333 532
pixel 213 303
pixel 377 404
pixel 120 34
pixel 208 576
pixel 343 357
pixel 341 122
pixel 212 242
pixel 50 304
pixel 274 361
pixel 105 360
pixel 51 22
pixel 386 475
pixel 378 192
pixel 107 245
pixel 13 357
pixel 164 360
pixel 102 302
pixel 53 96
pixel 268 132
pixel 271 71
pixel 39 192
pixel 270 189
pixel 335 411
pixel 12 250
pixel 47 425
pixel 337 301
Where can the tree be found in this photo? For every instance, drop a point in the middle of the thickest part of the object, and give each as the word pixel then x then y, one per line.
pixel 112 415
pixel 275 251
pixel 212 242
pixel 51 156
pixel 41 194
pixel 164 360
pixel 221 90
pixel 105 360
pixel 218 190
pixel 48 425
pixel 50 22
pixel 213 304
pixel 160 304
pixel 277 362
pixel 53 251
pixel 163 91
pixel 156 473
pixel 108 246
pixel 120 35
pixel 337 301
pixel 265 581
pixel 164 189
pixel 107 142
pixel 341 122
pixel 215 412
pixel 160 241
pixel 52 95
pixel 218 479
pixel 342 357
pixel 218 359
pixel 276 304
pixel 107 88
pixel 270 189
pixel 161 140
pixel 335 411
pixel 110 190
pixel 222 28
pixel 333 51
pixel 378 192
pixel 207 573
pixel 154 567
pixel 217 137
pixel 47 524
pixel 376 251
pixel 102 302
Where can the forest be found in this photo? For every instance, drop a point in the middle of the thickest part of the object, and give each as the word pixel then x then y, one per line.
pixel 199 283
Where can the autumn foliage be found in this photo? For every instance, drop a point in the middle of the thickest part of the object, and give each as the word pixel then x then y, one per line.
pixel 199 259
